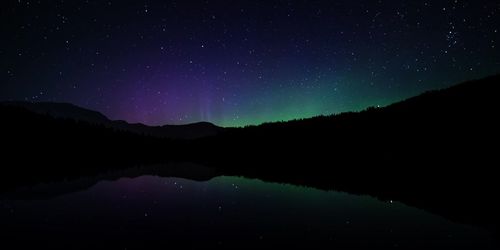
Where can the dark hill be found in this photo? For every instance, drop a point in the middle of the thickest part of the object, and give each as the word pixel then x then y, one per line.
pixel 461 113
pixel 61 110
pixel 436 151
pixel 70 111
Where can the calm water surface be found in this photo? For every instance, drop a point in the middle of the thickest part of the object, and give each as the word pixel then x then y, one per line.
pixel 225 212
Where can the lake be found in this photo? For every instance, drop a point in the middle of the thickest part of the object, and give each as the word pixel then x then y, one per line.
pixel 224 212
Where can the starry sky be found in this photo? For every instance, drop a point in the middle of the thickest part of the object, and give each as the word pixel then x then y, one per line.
pixel 235 63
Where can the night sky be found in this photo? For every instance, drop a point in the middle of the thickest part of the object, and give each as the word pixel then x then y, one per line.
pixel 235 63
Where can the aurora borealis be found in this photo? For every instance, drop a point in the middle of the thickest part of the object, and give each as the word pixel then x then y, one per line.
pixel 235 63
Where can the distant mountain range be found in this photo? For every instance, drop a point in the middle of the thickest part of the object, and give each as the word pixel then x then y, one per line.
pixel 70 111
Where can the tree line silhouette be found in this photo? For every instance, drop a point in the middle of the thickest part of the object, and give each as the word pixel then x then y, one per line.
pixel 436 150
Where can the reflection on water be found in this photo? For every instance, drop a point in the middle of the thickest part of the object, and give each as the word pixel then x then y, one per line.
pixel 230 212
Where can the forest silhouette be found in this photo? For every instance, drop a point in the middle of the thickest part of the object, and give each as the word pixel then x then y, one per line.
pixel 435 151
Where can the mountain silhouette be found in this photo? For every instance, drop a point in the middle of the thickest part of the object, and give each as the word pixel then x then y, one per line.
pixel 442 126
pixel 70 111
pixel 442 120
pixel 435 151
